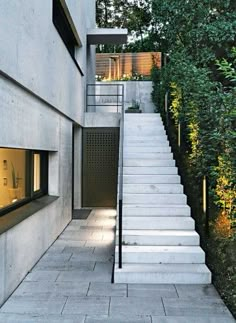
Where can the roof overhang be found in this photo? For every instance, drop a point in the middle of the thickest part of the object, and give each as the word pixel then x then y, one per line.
pixel 107 36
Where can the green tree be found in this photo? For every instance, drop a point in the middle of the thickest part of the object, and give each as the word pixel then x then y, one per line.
pixel 134 15
pixel 200 76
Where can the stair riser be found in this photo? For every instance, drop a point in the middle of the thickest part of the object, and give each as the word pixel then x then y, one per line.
pixel 165 258
pixel 144 139
pixel 146 199
pixel 146 132
pixel 151 179
pixel 158 223
pixel 147 163
pixel 153 188
pixel 141 150
pixel 159 241
pixel 146 144
pixel 155 212
pixel 144 121
pixel 150 171
pixel 148 155
pixel 162 278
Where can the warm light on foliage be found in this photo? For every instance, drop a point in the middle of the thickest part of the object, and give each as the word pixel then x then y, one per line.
pixel 176 97
pixel 225 189
pixel 222 226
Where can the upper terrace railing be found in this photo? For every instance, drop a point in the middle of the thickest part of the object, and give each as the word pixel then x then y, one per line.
pixel 105 98
pixel 110 98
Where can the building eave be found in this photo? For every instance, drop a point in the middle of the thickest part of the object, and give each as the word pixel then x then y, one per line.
pixel 107 36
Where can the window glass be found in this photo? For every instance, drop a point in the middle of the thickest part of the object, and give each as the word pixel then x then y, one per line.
pixel 13 183
pixel 23 177
pixel 36 172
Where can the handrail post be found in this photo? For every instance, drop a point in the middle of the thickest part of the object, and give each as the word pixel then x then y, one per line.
pixel 87 95
pixel 121 179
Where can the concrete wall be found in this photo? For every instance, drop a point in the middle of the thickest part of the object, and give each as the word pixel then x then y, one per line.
pixel 42 94
pixel 139 91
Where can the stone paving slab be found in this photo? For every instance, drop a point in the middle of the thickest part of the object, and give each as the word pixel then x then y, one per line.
pixel 195 307
pixel 45 275
pixel 107 289
pixel 74 235
pixel 18 304
pixel 69 243
pixel 195 291
pixel 136 306
pixel 56 257
pixel 86 276
pixel 45 290
pixel 94 243
pixel 36 318
pixel 118 319
pixel 152 290
pixel 87 305
pixel 65 266
pixel 90 256
pixel 75 250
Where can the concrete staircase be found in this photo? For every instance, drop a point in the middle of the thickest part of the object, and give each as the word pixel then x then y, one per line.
pixel 160 244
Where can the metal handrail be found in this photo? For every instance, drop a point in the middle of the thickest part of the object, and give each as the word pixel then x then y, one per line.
pixel 116 103
pixel 121 179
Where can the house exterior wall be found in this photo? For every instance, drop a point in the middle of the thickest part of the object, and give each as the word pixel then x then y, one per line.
pixel 42 94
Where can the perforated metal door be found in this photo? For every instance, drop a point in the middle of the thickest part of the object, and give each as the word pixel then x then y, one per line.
pixel 100 166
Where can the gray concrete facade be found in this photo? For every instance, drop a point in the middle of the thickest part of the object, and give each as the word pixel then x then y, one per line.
pixel 42 94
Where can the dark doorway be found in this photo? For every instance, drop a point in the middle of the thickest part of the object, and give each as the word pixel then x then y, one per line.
pixel 100 166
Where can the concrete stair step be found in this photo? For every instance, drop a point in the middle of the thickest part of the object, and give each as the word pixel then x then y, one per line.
pixel 154 199
pixel 156 210
pixel 158 223
pixel 161 155
pixel 162 274
pixel 150 179
pixel 143 116
pixel 162 254
pixel 145 131
pixel 141 143
pixel 148 162
pixel 144 138
pixel 160 237
pixel 150 170
pixel 137 124
pixel 152 188
pixel 140 150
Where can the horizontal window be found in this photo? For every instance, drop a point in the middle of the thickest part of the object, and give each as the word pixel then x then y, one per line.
pixel 66 29
pixel 23 177
pixel 63 27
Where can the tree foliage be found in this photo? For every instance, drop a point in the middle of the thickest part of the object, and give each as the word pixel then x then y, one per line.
pixel 200 76
pixel 135 15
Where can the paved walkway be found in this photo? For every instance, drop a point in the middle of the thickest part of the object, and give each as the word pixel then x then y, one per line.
pixel 72 284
